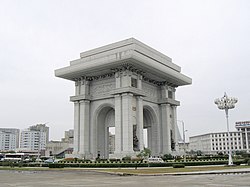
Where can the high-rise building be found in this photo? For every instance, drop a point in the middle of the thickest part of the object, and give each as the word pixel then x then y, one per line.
pixel 9 139
pixel 244 127
pixel 213 143
pixel 68 136
pixel 34 138
pixel 42 128
pixel 111 143
pixel 61 148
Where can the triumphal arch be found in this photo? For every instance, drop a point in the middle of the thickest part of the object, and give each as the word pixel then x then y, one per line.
pixel 130 87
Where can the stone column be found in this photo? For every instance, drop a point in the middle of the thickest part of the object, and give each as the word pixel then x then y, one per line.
pixel 175 128
pixel 165 126
pixel 117 80
pixel 127 126
pixel 84 87
pixel 77 87
pixel 84 128
pixel 139 110
pixel 76 127
pixel 139 81
pixel 126 79
pixel 118 125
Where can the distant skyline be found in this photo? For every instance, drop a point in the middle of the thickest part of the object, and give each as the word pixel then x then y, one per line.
pixel 209 39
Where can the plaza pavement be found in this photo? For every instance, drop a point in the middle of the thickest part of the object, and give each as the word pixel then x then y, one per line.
pixel 92 177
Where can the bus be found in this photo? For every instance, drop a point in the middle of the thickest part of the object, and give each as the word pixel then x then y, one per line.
pixel 15 157
pixel 1 157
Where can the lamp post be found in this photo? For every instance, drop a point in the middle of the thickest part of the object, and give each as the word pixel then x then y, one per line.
pixel 226 103
pixel 184 139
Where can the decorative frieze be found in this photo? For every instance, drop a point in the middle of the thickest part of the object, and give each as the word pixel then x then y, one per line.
pixel 149 90
pixel 158 83
pixel 101 88
pixel 128 67
pixel 108 75
pixel 91 78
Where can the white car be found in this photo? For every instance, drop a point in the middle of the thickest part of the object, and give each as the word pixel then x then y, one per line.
pixel 155 160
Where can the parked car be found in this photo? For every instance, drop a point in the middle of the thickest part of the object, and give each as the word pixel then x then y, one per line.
pixel 155 160
pixel 50 160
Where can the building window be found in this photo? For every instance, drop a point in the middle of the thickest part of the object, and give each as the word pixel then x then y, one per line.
pixel 134 82
pixel 170 94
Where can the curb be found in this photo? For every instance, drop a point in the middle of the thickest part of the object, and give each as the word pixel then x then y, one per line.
pixel 220 172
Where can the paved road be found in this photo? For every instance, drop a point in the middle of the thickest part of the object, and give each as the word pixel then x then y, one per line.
pixel 86 178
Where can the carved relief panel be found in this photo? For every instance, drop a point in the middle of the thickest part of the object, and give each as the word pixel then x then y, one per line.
pixel 101 87
pixel 150 90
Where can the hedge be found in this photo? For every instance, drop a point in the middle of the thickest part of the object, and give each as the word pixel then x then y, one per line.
pixel 55 165
pixel 118 164
pixel 178 165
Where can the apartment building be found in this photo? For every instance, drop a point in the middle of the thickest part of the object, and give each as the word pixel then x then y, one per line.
pixel 213 143
pixel 9 139
pixel 34 138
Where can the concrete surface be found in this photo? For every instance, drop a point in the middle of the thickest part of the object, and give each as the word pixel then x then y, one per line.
pixel 80 178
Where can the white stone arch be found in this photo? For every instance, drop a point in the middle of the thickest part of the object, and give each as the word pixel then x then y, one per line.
pixel 151 122
pixel 104 117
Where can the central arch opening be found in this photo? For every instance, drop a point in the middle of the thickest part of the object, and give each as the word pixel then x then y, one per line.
pixel 150 131
pixel 105 133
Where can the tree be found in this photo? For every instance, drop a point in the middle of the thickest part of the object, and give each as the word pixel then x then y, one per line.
pixel 167 157
pixel 199 153
pixel 145 153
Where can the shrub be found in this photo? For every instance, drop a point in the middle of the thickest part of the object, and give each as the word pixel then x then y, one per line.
pixel 126 158
pixel 101 160
pixel 137 159
pixel 178 165
pixel 167 157
pixel 164 164
pixel 239 162
pixel 56 165
pixel 248 162
pixel 86 160
pixel 68 159
pixel 114 160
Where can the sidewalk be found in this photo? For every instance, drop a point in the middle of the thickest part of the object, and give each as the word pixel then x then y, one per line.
pixel 209 172
pixel 126 173
pixel 227 171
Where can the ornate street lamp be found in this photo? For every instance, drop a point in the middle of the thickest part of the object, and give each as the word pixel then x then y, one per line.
pixel 226 103
pixel 184 139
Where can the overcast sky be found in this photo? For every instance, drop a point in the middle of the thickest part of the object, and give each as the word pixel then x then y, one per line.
pixel 209 39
